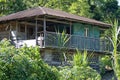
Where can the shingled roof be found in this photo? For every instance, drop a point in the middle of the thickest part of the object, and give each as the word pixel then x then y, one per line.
pixel 47 11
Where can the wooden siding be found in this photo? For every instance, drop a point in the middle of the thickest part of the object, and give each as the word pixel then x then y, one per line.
pixel 79 29
pixel 90 42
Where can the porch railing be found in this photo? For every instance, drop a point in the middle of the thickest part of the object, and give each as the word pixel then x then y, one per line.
pixel 76 41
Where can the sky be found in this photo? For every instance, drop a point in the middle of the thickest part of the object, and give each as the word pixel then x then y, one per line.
pixel 118 2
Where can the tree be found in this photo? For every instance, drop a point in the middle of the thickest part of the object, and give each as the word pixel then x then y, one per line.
pixel 11 6
pixel 115 42
pixel 81 7
pixel 104 9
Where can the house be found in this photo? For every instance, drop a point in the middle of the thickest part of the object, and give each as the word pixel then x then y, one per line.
pixel 41 26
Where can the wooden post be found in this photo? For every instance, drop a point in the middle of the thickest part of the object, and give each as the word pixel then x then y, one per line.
pixel 10 32
pixel 17 34
pixel 70 34
pixel 25 31
pixel 36 28
pixel 44 23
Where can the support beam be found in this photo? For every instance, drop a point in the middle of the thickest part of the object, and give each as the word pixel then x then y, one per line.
pixel 53 21
pixel 25 31
pixel 16 34
pixel 10 31
pixel 70 33
pixel 36 28
pixel 32 24
pixel 44 23
pixel 70 28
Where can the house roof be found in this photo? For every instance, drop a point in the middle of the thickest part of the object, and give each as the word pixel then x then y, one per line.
pixel 47 11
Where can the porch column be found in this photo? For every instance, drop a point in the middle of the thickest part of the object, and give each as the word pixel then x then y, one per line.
pixel 10 32
pixel 25 31
pixel 36 28
pixel 44 23
pixel 16 41
pixel 70 33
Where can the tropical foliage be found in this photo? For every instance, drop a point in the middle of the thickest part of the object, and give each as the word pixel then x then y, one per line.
pixel 26 64
pixel 115 42
pixel 23 64
pixel 105 64
pixel 80 69
pixel 97 9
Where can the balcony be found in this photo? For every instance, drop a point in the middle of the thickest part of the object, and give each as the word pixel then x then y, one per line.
pixel 54 40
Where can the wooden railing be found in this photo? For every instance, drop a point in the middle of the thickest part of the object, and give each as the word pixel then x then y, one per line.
pixel 76 41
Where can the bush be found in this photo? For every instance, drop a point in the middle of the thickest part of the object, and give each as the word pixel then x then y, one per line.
pixel 105 64
pixel 79 73
pixel 23 64
pixel 80 69
pixel 26 64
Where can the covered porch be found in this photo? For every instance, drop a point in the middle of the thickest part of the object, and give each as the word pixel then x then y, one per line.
pixel 44 32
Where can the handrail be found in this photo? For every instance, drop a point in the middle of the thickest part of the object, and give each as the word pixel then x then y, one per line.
pixel 78 41
pixel 74 35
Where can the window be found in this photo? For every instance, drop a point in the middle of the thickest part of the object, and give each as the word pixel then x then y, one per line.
pixel 86 32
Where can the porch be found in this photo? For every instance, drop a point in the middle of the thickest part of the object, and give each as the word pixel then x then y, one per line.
pixel 52 40
pixel 46 32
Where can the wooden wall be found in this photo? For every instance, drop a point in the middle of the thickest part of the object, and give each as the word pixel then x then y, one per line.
pixel 79 29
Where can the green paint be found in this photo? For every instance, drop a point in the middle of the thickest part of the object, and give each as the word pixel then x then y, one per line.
pixel 79 29
pixel 86 42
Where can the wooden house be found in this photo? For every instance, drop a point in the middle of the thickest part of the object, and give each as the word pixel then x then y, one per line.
pixel 41 26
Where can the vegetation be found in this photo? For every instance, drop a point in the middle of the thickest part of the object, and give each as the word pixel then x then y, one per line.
pixel 96 9
pixel 105 64
pixel 23 64
pixel 26 64
pixel 115 42
pixel 80 69
pixel 63 39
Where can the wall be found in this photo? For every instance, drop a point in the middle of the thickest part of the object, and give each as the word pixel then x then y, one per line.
pixel 89 42
pixel 79 29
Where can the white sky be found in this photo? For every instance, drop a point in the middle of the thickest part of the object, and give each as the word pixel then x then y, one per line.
pixel 118 2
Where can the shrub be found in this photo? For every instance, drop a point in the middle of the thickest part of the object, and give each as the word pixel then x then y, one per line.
pixel 80 69
pixel 80 59
pixel 79 73
pixel 105 64
pixel 23 64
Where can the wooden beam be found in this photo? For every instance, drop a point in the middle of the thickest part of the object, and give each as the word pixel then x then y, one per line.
pixel 36 28
pixel 16 34
pixel 25 31
pixel 44 23
pixel 53 21
pixel 28 23
pixel 70 32
pixel 70 28
pixel 10 31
